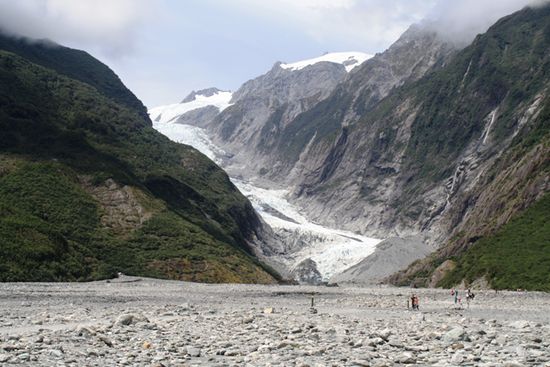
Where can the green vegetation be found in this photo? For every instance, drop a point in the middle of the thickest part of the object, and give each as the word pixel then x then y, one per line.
pixel 517 256
pixel 74 64
pixel 503 68
pixel 65 134
pixel 508 68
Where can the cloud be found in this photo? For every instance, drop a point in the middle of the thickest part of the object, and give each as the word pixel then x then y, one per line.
pixel 108 25
pixel 377 23
pixel 374 24
pixel 460 21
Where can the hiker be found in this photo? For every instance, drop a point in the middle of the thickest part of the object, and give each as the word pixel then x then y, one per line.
pixel 469 297
pixel 454 292
pixel 414 302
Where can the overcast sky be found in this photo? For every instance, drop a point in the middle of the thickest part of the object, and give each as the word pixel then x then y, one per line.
pixel 163 49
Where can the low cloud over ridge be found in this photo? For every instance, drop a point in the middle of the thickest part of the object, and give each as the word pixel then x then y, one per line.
pixel 460 21
pixel 108 25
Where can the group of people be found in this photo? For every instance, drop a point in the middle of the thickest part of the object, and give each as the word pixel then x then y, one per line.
pixel 458 300
pixel 413 302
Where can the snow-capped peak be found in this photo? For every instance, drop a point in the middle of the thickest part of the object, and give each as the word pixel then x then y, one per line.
pixel 208 92
pixel 206 97
pixel 348 59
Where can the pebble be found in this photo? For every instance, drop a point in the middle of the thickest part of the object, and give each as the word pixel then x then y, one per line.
pixel 454 335
pixel 151 323
pixel 194 352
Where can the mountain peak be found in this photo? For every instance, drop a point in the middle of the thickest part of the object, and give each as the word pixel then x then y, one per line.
pixel 208 92
pixel 195 100
pixel 348 59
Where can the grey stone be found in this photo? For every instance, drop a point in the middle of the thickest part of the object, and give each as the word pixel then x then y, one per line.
pixel 193 351
pixel 454 335
pixel 129 319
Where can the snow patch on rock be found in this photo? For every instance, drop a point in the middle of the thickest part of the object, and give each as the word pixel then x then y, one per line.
pixel 349 59
pixel 169 113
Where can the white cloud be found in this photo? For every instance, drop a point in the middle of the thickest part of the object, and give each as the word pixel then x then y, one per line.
pixel 460 21
pixel 108 25
pixel 373 23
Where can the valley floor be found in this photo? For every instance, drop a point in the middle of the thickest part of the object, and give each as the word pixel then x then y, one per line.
pixel 145 322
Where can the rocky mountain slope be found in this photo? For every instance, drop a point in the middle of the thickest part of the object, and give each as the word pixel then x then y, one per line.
pixel 264 148
pixel 89 188
pixel 453 156
pixel 261 108
pixel 424 140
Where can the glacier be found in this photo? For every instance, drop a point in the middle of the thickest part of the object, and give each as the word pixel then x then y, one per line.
pixel 333 250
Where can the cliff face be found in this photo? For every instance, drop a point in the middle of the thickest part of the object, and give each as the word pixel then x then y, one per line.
pixel 342 149
pixel 263 107
pixel 453 156
pixel 426 140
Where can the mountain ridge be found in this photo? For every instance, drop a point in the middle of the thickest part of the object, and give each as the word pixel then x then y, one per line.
pixel 422 140
pixel 90 189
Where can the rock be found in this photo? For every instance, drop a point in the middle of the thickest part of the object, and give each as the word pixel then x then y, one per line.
pixel 454 335
pixel 4 357
pixel 193 351
pixel 456 346
pixel 520 324
pixel 106 340
pixel 269 310
pixel 382 362
pixel 84 331
pixel 512 364
pixel 385 334
pixel 406 358
pixel 457 358
pixel 306 273
pixel 24 356
pixel 375 341
pixel 361 363
pixel 9 347
pixel 129 319
pixel 56 353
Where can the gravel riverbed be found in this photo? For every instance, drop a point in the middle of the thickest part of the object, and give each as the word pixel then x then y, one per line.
pixel 145 322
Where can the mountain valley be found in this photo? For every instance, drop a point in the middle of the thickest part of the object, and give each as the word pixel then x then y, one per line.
pixel 435 144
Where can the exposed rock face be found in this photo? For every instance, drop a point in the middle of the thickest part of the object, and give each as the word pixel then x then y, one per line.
pixel 199 117
pixel 326 146
pixel 122 210
pixel 440 271
pixel 208 92
pixel 417 161
pixel 390 256
pixel 306 273
pixel 264 106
